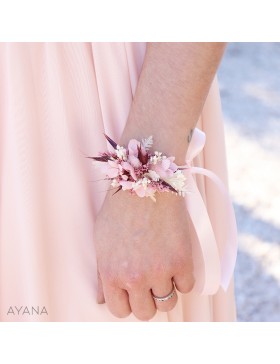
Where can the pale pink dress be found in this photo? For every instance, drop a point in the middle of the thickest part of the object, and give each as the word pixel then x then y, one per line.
pixel 56 99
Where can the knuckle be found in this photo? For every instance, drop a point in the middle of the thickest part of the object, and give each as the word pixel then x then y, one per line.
pixel 182 261
pixel 160 268
pixel 163 267
pixel 179 262
pixel 133 279
pixel 109 277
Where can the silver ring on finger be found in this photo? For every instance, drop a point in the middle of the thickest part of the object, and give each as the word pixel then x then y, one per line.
pixel 167 297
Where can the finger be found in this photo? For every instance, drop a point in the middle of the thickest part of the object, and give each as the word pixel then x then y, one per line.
pixel 142 304
pixel 162 289
pixel 100 294
pixel 117 300
pixel 184 281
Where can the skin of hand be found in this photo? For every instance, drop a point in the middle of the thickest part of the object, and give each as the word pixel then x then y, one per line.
pixel 142 245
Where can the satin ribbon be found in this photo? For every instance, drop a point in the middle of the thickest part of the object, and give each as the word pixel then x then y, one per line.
pixel 218 270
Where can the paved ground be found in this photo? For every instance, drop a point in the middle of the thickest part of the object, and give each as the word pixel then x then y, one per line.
pixel 249 79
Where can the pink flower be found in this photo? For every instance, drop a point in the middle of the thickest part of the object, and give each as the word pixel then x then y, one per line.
pixel 137 154
pixel 126 185
pixel 111 169
pixel 133 147
pixel 128 167
pixel 134 161
pixel 141 191
pixel 165 168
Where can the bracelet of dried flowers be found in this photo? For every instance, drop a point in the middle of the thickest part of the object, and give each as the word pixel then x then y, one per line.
pixel 140 171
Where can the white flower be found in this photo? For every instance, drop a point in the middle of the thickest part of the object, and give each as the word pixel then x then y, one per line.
pixel 142 188
pixel 145 181
pixel 115 183
pixel 177 180
pixel 153 175
pixel 157 157
pixel 121 152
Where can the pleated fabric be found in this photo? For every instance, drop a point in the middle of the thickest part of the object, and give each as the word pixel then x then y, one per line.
pixel 56 100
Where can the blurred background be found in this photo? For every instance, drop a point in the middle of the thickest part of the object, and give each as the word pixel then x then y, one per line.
pixel 249 78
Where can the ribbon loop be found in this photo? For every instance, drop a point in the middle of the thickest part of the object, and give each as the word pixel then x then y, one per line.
pixel 218 270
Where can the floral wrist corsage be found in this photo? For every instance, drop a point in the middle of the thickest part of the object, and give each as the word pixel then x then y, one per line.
pixel 140 171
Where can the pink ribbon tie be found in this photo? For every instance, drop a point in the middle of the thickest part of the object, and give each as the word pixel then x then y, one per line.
pixel 218 270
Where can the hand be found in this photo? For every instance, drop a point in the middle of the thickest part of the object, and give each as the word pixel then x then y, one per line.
pixel 140 246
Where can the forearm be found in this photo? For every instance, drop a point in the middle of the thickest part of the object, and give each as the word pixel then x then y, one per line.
pixel 171 91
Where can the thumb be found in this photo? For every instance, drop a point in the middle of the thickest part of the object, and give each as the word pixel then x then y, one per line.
pixel 100 294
